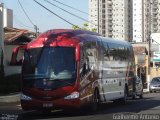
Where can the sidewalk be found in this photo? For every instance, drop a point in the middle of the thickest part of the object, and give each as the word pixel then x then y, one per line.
pixel 10 98
pixel 145 91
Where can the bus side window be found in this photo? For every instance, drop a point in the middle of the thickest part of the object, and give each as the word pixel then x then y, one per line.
pixel 82 64
pixel 85 60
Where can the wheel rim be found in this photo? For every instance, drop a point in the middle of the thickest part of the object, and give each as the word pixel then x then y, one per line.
pixel 95 101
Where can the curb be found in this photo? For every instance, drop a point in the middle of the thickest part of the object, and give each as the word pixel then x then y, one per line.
pixel 10 98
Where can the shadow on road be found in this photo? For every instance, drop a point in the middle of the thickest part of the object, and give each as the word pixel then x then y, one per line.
pixel 132 106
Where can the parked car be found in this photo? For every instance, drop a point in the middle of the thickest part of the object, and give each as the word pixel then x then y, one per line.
pixel 138 88
pixel 154 85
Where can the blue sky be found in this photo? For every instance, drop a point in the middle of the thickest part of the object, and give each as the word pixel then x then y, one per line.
pixel 42 18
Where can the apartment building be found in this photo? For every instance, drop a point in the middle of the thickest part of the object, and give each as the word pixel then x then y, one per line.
pixel 155 16
pixel 93 14
pixel 113 18
pixel 121 19
pixel 137 20
pixel 131 20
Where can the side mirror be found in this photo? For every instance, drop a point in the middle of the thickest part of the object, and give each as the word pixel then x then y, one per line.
pixel 17 55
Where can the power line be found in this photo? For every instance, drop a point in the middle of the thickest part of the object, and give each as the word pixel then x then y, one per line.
pixel 69 12
pixel 70 7
pixel 155 41
pixel 35 26
pixel 77 10
pixel 25 13
pixel 55 13
pixel 76 15
pixel 20 22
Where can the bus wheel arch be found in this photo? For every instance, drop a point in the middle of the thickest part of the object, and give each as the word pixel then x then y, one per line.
pixel 123 100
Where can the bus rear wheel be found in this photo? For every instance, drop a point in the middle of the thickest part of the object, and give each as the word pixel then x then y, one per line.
pixel 95 101
pixel 124 99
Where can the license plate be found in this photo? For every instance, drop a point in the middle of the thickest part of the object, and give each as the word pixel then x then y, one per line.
pixel 46 105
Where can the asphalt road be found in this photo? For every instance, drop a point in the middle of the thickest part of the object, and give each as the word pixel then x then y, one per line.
pixel 139 109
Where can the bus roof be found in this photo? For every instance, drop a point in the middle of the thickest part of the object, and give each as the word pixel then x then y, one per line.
pixel 76 35
pixel 51 34
pixel 115 41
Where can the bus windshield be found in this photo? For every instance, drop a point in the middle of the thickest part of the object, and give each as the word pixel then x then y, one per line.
pixel 49 63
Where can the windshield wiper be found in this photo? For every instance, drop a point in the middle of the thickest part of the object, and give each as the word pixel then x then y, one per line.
pixel 33 76
pixel 62 81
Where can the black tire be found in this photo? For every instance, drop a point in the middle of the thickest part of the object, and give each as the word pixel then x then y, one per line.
pixel 95 101
pixel 141 95
pixel 150 91
pixel 134 96
pixel 124 99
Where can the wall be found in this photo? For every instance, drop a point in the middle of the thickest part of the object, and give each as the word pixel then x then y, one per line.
pixel 155 72
pixel 8 54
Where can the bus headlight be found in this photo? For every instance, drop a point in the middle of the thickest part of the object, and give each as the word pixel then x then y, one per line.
pixel 73 95
pixel 25 97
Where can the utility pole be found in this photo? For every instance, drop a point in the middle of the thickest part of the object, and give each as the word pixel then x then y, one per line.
pixel 1 39
pixel 36 30
pixel 149 42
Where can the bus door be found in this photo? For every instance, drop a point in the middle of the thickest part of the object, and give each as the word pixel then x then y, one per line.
pixel 105 82
pixel 117 67
pixel 87 69
pixel 113 75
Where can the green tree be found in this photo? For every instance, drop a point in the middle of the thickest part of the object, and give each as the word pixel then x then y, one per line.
pixel 85 27
pixel 75 27
pixel 93 29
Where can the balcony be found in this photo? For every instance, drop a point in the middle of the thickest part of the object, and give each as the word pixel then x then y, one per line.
pixel 109 13
pixel 110 23
pixel 109 8
pixel 110 34
pixel 110 18
pixel 109 2
pixel 154 23
pixel 154 13
pixel 110 29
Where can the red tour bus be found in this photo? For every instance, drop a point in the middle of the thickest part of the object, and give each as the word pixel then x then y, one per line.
pixel 66 69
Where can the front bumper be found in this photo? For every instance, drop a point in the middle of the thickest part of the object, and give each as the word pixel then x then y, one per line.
pixel 36 104
pixel 152 88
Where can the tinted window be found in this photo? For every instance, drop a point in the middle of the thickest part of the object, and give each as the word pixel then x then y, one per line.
pixel 53 62
pixel 88 57
pixel 49 67
pixel 155 80
pixel 118 52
